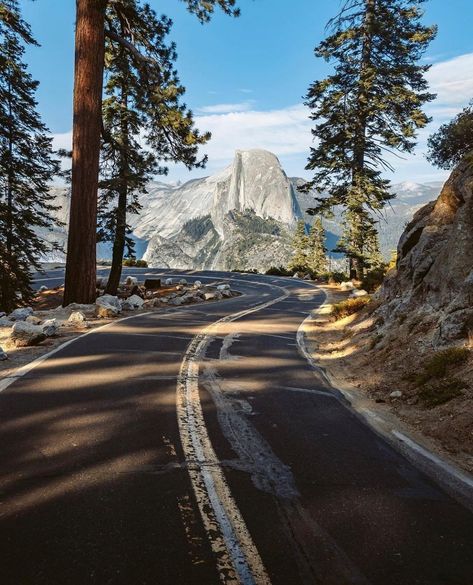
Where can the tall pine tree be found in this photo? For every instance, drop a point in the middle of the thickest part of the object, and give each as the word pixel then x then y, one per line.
pixel 371 105
pixel 27 164
pixel 87 121
pixel 145 125
pixel 300 245
pixel 316 250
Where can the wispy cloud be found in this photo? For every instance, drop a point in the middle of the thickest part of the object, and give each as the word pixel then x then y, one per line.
pixel 226 108
pixel 287 131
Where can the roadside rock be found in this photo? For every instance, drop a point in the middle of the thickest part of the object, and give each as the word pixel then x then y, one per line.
pixel 3 355
pixel 21 314
pixel 346 286
pixel 213 296
pixel 168 281
pixel 33 319
pixel 197 284
pixel 132 303
pixel 223 287
pixel 43 288
pixel 108 306
pixel 131 281
pixel 77 318
pixel 396 394
pixel 50 327
pixel 5 322
pixel 183 281
pixel 25 334
pixel 359 293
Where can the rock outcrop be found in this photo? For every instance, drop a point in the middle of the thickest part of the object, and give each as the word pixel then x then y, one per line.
pixel 247 213
pixel 433 282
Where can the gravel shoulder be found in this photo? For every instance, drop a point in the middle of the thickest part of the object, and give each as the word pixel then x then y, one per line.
pixel 368 370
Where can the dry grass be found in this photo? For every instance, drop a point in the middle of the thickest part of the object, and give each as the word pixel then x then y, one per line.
pixel 349 307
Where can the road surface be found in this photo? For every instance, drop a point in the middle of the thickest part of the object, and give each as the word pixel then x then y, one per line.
pixel 196 445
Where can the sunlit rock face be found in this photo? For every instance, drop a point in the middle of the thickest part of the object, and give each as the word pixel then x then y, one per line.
pixel 433 282
pixel 238 219
pixel 255 182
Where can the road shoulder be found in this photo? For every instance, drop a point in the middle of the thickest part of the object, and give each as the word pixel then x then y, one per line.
pixel 325 346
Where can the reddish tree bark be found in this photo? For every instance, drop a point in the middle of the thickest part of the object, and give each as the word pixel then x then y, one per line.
pixel 87 123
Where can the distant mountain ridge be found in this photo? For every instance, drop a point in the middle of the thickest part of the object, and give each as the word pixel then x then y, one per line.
pixel 240 218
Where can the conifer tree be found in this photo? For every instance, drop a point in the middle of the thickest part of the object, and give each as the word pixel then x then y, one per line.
pixel 369 106
pixel 317 252
pixel 144 123
pixel 300 244
pixel 27 164
pixel 88 86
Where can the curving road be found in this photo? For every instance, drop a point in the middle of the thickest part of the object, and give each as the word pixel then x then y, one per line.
pixel 197 445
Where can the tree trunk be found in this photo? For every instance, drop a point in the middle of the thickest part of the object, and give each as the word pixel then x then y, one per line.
pixel 118 245
pixel 88 82
pixel 120 225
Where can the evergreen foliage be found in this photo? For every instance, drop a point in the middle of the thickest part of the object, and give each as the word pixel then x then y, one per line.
pixel 300 245
pixel 316 250
pixel 369 106
pixel 27 164
pixel 145 125
pixel 452 141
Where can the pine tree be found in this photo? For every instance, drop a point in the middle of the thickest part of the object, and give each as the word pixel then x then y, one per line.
pixel 144 123
pixel 87 121
pixel 370 105
pixel 300 244
pixel 317 252
pixel 27 164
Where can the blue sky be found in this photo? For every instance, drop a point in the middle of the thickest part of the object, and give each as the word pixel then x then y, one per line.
pixel 246 77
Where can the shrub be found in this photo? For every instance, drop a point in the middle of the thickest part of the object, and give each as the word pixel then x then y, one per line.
pixel 141 264
pixel 129 262
pixel 349 307
pixel 436 366
pixel 374 279
pixel 441 392
pixel 336 277
pixel 278 271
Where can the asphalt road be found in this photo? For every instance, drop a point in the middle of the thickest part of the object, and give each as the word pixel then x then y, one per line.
pixel 196 445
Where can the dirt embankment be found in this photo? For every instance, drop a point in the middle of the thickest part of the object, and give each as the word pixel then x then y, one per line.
pixel 428 389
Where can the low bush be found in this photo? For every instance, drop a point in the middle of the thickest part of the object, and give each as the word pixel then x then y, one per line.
pixel 374 279
pixel 336 277
pixel 134 262
pixel 437 365
pixel 349 307
pixel 438 393
pixel 278 271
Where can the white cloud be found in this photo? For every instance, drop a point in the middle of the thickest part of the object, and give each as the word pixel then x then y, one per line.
pixel 452 81
pixel 226 108
pixel 287 131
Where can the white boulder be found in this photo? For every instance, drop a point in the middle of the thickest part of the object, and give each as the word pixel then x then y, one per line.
pixel 25 334
pixel 346 286
pixel 108 306
pixel 168 281
pixel 359 293
pixel 396 394
pixel 50 327
pixel 43 288
pixel 131 281
pixel 77 318
pixel 223 287
pixel 21 314
pixel 133 302
pixel 33 319
pixel 197 284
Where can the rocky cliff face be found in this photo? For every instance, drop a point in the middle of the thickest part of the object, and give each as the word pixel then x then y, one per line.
pixel 432 286
pixel 239 219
